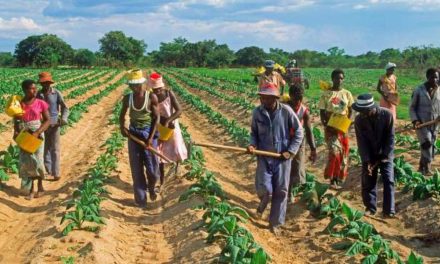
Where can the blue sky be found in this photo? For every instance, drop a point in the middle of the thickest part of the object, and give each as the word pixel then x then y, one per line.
pixel 357 26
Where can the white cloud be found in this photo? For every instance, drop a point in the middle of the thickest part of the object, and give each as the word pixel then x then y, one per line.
pixel 18 23
pixel 360 6
pixel 281 7
pixel 415 5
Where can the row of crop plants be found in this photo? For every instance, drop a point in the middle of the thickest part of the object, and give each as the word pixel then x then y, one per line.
pixel 365 239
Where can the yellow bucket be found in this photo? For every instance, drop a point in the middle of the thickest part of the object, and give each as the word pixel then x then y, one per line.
pixel 339 122
pixel 27 142
pixel 13 106
pixel 165 133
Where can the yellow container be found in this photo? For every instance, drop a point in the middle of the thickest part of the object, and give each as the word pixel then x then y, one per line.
pixel 27 142
pixel 285 98
pixel 13 106
pixel 339 122
pixel 165 133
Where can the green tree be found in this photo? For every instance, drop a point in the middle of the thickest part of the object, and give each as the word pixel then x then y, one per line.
pixel 6 59
pixel 45 50
pixel 220 56
pixel 171 54
pixel 250 56
pixel 84 58
pixel 116 46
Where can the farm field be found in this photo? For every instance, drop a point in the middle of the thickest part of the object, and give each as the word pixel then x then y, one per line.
pixel 102 225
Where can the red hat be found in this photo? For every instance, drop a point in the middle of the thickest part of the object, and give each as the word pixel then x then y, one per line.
pixel 155 81
pixel 269 88
pixel 45 77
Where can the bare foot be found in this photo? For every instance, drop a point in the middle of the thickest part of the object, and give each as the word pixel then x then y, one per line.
pixel 30 196
pixel 39 194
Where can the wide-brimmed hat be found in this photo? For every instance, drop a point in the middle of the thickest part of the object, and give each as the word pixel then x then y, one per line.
pixel 155 81
pixel 390 65
pixel 135 77
pixel 269 88
pixel 269 64
pixel 45 77
pixel 364 102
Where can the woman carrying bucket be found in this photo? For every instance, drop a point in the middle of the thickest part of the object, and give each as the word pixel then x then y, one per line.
pixel 171 142
pixel 335 111
pixel 144 118
pixel 28 132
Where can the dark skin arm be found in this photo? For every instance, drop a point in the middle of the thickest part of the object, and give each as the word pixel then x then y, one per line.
pixel 379 84
pixel 325 116
pixel 41 129
pixel 309 136
pixel 122 116
pixel 177 110
pixel 155 117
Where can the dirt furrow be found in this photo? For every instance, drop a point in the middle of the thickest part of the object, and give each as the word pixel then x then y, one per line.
pixel 34 223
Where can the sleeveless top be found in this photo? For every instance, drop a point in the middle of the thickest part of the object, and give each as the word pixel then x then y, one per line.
pixel 140 118
pixel 300 112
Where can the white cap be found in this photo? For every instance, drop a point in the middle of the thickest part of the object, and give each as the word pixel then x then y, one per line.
pixel 390 65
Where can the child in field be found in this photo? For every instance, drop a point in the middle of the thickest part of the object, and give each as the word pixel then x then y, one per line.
pixel 298 170
pixel 169 109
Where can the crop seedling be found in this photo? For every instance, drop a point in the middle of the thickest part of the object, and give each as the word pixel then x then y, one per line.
pixel 206 186
pixel 10 158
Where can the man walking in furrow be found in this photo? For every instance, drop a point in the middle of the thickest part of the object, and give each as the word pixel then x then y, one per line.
pixel 274 128
pixel 57 105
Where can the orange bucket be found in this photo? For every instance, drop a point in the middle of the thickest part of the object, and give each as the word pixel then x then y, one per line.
pixel 165 133
pixel 27 142
pixel 339 122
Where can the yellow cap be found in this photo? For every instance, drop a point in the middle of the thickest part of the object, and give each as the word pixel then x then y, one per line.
pixel 135 76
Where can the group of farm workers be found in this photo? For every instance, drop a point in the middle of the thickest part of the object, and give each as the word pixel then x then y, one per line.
pixel 39 114
pixel 280 122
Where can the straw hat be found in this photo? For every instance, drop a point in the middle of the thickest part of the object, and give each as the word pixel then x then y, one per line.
pixel 155 81
pixel 45 77
pixel 135 77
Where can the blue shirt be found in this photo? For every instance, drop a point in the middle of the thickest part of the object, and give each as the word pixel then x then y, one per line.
pixel 278 132
pixel 56 104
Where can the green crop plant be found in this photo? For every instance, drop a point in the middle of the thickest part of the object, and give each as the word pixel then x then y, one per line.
pixel 9 159
pixel 354 156
pixel 319 136
pixel 206 186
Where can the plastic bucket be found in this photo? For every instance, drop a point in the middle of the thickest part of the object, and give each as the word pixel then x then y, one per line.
pixel 27 142
pixel 165 133
pixel 339 122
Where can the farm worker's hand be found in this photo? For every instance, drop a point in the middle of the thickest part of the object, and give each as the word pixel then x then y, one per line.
pixel 371 167
pixel 251 149
pixel 313 156
pixel 124 132
pixel 149 142
pixel 286 155
pixel 36 134
pixel 416 124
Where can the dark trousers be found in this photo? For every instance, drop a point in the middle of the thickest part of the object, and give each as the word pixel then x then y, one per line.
pixel 142 162
pixel 52 151
pixel 369 187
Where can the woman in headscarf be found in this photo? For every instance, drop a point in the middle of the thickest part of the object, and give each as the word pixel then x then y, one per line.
pixel 336 101
pixel 169 108
pixel 35 120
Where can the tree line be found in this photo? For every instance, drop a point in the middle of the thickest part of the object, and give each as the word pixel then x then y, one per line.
pixel 118 50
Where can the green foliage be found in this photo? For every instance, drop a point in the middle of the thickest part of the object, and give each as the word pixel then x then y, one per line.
pixel 354 156
pixel 68 260
pixel 9 159
pixel 45 50
pixel 116 45
pixel 84 58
